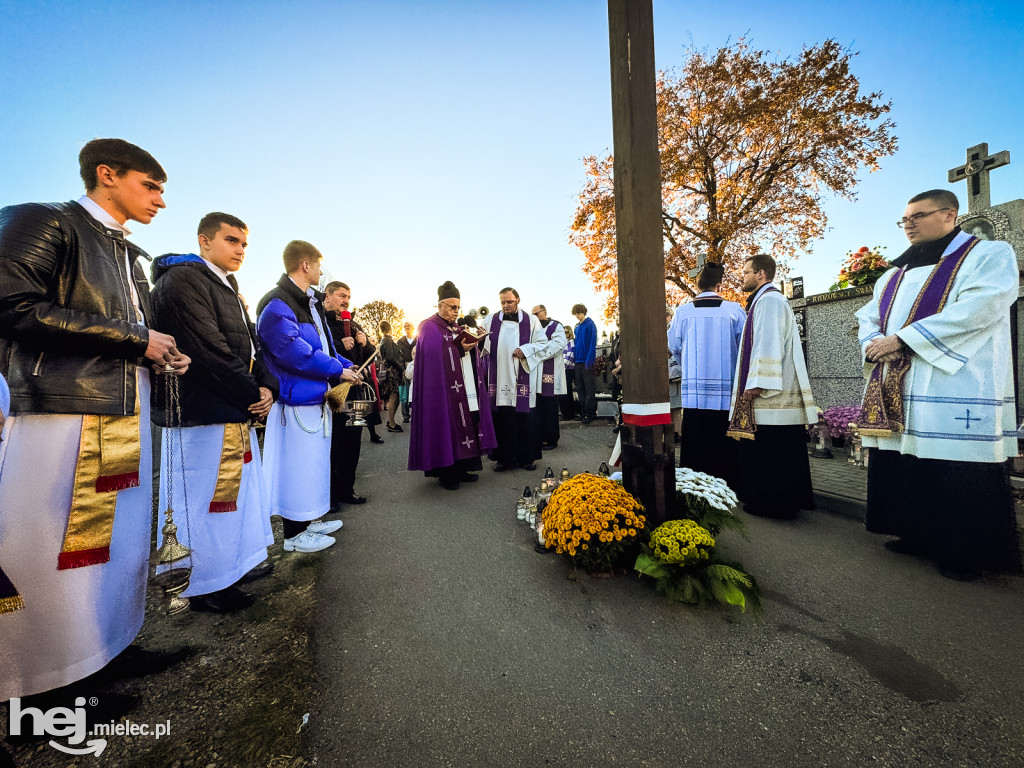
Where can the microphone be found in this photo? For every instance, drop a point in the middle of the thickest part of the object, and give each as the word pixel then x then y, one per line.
pixel 346 321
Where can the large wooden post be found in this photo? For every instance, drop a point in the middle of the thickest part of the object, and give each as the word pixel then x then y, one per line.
pixel 647 437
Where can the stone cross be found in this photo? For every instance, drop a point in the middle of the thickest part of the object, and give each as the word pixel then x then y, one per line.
pixel 975 172
pixel 701 260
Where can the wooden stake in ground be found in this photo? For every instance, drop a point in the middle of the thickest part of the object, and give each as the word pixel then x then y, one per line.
pixel 647 437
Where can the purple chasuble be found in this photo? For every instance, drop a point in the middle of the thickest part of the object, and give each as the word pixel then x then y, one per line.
pixel 442 430
pixel 523 377
pixel 743 424
pixel 882 411
pixel 547 371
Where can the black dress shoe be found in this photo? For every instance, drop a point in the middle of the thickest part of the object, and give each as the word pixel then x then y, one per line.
pixel 396 428
pixel 263 569
pixel 134 661
pixel 452 485
pixel 548 446
pixel 586 420
pixel 353 499
pixel 223 601
pixel 466 477
pixel 376 439
pixel 904 547
pixel 530 467
pixel 499 467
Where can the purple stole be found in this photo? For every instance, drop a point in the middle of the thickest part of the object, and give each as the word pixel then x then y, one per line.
pixel 523 377
pixel 882 411
pixel 10 600
pixel 547 371
pixel 466 439
pixel 742 425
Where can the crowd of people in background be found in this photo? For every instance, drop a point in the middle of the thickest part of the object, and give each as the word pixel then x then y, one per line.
pixel 91 357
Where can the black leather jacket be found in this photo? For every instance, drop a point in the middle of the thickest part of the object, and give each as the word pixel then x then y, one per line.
pixel 69 342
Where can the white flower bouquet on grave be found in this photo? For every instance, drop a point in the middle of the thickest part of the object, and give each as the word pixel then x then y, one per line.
pixel 708 500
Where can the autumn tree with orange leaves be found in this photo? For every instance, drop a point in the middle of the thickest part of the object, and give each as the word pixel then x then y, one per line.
pixel 749 147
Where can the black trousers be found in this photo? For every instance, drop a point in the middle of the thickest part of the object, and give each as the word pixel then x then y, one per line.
pixel 292 528
pixel 959 512
pixel 345 444
pixel 586 391
pixel 704 445
pixel 518 436
pixel 547 407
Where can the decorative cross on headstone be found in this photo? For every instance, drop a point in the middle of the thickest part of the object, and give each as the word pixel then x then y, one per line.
pixel 701 261
pixel 975 172
pixel 967 419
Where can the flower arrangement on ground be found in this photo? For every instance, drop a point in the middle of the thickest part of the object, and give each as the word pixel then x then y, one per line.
pixel 682 555
pixel 592 520
pixel 862 267
pixel 839 417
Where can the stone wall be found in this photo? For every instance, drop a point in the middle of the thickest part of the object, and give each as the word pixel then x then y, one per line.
pixel 830 345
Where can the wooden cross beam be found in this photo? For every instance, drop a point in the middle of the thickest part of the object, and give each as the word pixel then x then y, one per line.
pixel 975 171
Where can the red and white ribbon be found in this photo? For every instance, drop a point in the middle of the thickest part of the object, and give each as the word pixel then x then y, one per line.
pixel 646 414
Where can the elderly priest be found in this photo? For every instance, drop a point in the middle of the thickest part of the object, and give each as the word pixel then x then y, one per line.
pixel 939 402
pixel 451 430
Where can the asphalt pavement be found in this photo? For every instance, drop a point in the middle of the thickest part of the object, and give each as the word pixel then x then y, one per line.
pixel 443 639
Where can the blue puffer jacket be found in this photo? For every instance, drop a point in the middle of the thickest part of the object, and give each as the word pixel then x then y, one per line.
pixel 291 344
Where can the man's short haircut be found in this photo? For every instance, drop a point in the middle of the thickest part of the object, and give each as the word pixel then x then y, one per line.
pixel 209 225
pixel 579 309
pixel 384 327
pixel 710 276
pixel 765 262
pixel 335 285
pixel 942 197
pixel 513 291
pixel 121 156
pixel 298 251
pixel 542 308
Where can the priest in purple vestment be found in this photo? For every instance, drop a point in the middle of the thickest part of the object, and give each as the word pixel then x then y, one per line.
pixel 451 430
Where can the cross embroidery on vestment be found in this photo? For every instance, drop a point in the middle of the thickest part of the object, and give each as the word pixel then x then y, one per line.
pixel 524 390
pixel 468 442
pixel 506 390
pixel 457 386
pixel 967 419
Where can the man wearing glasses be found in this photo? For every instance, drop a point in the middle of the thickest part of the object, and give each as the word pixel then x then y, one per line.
pixel 939 404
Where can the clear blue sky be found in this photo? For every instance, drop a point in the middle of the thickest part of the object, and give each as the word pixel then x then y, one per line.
pixel 415 142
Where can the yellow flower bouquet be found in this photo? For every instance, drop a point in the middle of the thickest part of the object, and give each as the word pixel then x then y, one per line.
pixel 682 559
pixel 592 520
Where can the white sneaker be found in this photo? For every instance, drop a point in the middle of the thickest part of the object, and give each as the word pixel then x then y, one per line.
pixel 307 542
pixel 324 527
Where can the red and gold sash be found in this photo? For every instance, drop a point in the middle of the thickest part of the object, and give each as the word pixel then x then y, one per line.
pixel 882 411
pixel 10 600
pixel 108 462
pixel 235 453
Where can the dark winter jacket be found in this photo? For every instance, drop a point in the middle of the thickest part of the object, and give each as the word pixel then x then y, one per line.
pixel 209 325
pixel 69 338
pixel 291 344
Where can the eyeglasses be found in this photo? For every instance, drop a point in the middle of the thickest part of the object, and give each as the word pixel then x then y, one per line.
pixel 917 217
pixel 449 307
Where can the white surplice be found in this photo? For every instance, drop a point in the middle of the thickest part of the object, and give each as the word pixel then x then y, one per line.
pixel 225 545
pixel 777 365
pixel 297 461
pixel 76 620
pixel 705 343
pixel 554 349
pixel 958 395
pixel 509 366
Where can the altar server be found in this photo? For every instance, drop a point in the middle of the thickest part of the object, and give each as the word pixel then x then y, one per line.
pixel 704 338
pixel 451 429
pixel 75 520
pixel 515 346
pixel 298 350
pixel 771 401
pixel 195 298
pixel 552 377
pixel 939 406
